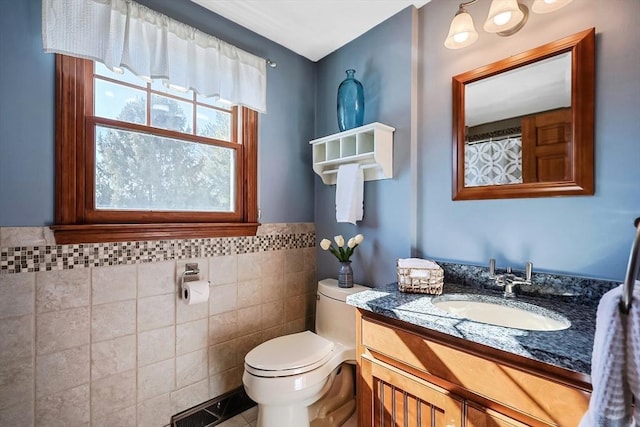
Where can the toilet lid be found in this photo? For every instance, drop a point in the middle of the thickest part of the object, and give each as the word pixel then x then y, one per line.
pixel 290 352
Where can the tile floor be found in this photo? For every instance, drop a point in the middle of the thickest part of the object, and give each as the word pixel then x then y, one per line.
pixel 249 418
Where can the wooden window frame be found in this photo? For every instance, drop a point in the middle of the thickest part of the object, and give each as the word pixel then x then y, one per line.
pixel 76 219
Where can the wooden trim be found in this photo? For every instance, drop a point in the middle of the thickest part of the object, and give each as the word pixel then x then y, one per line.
pixel 76 219
pixel 101 233
pixel 150 217
pixel 583 92
pixel 250 163
pixel 364 385
pixel 70 104
pixel 160 132
pixel 582 47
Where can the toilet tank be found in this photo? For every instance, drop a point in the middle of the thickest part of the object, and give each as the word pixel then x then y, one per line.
pixel 335 319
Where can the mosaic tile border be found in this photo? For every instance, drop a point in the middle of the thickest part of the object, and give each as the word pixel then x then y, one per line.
pixel 22 259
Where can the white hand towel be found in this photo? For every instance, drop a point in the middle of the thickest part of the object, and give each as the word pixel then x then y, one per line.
pixel 610 403
pixel 349 193
pixel 416 263
pixel 633 350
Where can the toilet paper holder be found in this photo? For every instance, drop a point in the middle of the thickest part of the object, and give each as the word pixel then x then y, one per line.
pixel 190 269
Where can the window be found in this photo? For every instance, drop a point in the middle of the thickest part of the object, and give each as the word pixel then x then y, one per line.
pixel 136 160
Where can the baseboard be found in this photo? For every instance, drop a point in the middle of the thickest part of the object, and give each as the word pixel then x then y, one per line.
pixel 214 411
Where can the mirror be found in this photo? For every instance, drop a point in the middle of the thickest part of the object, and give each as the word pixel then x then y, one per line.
pixel 523 126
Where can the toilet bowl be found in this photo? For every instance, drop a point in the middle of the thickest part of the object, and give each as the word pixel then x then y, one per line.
pixel 304 379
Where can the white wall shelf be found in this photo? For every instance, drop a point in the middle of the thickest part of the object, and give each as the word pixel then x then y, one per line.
pixel 371 146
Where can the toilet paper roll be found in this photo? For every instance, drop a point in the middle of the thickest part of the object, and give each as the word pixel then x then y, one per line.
pixel 195 292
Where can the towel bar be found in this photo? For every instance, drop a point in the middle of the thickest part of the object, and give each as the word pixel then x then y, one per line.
pixel 632 271
pixel 367 166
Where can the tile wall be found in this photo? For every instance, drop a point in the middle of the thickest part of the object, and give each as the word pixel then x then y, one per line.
pixel 96 335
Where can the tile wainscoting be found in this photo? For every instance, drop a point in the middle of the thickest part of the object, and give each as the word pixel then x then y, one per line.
pixel 97 335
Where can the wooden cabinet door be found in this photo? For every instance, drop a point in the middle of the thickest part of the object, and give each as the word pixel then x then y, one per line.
pixel 546 147
pixel 392 398
pixel 477 416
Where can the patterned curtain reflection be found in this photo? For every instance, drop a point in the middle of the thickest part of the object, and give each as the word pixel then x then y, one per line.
pixel 493 162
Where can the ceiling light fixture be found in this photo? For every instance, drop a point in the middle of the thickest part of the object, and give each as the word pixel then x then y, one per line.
pixel 505 18
pixel 546 6
pixel 462 33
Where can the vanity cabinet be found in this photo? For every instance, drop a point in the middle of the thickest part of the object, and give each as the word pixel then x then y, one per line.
pixel 408 375
pixel 400 399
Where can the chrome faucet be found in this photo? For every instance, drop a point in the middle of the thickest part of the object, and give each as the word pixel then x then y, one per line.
pixel 509 280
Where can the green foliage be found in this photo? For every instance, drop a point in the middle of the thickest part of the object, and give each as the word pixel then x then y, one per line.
pixel 343 254
pixel 145 172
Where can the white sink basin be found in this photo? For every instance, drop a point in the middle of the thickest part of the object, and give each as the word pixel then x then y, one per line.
pixel 502 312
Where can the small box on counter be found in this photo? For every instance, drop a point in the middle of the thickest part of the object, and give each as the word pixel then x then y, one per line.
pixel 420 276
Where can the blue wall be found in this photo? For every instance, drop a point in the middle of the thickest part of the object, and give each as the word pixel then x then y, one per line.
pixel 382 60
pixel 27 116
pixel 583 236
pixel 587 236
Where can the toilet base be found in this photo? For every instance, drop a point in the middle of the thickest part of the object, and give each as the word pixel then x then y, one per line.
pixel 336 404
pixel 339 404
pixel 291 415
pixel 282 416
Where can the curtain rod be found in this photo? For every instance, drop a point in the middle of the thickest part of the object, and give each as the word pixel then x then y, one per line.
pixel 500 138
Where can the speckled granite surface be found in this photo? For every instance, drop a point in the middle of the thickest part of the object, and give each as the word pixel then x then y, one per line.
pixel 570 348
pixel 582 290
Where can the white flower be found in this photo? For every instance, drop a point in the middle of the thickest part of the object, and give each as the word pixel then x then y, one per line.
pixel 342 252
pixel 325 244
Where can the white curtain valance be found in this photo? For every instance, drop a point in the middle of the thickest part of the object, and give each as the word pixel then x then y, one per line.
pixel 123 33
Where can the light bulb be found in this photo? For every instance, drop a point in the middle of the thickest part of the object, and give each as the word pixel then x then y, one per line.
pixel 546 6
pixel 502 18
pixel 461 37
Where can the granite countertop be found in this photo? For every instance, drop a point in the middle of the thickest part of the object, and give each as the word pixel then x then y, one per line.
pixel 569 348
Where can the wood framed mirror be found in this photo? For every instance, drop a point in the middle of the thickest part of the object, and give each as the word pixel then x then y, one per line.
pixel 523 126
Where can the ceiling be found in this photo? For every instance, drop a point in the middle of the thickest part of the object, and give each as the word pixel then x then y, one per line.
pixel 542 86
pixel 311 28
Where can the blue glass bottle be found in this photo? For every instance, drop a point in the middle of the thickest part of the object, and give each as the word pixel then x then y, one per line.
pixel 350 103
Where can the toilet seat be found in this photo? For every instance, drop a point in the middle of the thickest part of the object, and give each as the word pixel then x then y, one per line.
pixel 289 355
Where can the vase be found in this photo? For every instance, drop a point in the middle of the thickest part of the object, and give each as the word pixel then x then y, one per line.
pixel 345 275
pixel 350 102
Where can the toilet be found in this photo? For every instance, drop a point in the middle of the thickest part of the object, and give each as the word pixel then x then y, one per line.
pixel 306 379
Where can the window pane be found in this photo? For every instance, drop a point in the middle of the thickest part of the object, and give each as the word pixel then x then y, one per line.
pixel 136 171
pixel 213 123
pixel 169 113
pixel 126 75
pixel 114 101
